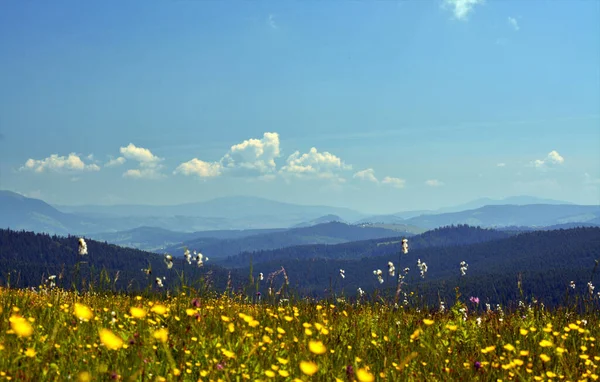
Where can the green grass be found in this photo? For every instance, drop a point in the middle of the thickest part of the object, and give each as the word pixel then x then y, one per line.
pixel 220 338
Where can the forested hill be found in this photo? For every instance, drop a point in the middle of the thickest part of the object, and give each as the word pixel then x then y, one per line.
pixel 26 258
pixel 440 237
pixel 546 261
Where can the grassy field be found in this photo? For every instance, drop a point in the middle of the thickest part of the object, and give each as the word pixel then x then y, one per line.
pixel 59 335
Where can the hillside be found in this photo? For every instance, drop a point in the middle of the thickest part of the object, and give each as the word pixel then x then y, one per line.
pixel 31 257
pixel 533 215
pixel 546 261
pixel 327 233
pixel 441 237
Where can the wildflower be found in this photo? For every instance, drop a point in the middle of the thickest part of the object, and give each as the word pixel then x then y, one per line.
pixel 261 277
pixel 20 326
pixel 406 270
pixel 342 273
pixel 83 312
pixel 463 268
pixel 474 300
pixel 161 334
pixel 427 321
pixel 200 259
pixel 317 347
pixel 478 319
pixel 405 246
pixel 442 307
pixel 309 368
pixel 477 365
pixel 361 292
pixel 590 288
pixel 169 260
pixel 147 271
pixel 110 340
pixel 187 255
pixel 363 375
pixel 422 267
pixel 391 269
pixel 30 352
pixel 378 273
pixel 572 284
pixel 137 312
pixel 82 247
pixel 51 279
pixel 159 282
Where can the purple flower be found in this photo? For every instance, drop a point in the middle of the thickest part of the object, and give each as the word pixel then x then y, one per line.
pixel 220 366
pixel 196 303
pixel 474 300
pixel 477 365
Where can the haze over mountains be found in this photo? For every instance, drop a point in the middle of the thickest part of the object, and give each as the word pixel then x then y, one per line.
pixel 228 226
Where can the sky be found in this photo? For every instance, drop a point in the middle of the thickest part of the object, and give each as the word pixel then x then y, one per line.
pixel 381 106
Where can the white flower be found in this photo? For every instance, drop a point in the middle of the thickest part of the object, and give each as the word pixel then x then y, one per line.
pixel 378 273
pixel 169 260
pixel 590 288
pixel 188 256
pixel 147 271
pixel 199 259
pixel 422 267
pixel 391 269
pixel 405 246
pixel 361 292
pixel 463 268
pixel 261 276
pixel 159 282
pixel 478 321
pixel 82 247
pixel 572 284
pixel 342 273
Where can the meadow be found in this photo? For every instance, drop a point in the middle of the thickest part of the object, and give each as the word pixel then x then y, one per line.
pixel 55 335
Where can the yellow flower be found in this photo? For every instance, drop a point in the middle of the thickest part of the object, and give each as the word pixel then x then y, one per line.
pixel 545 343
pixel 363 375
pixel 427 321
pixel 308 368
pixel 523 331
pixel 282 361
pixel 228 354
pixel 30 352
pixel 20 326
pixel 137 312
pixel 509 347
pixel 451 327
pixel 162 335
pixel 269 373
pixel 544 357
pixel 84 376
pixel 83 312
pixel 284 373
pixel 159 309
pixel 231 327
pixel 317 347
pixel 110 340
pixel 225 318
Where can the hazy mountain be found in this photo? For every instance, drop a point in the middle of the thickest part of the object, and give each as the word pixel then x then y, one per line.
pixel 234 207
pixel 327 233
pixel 21 213
pixel 513 200
pixel 158 239
pixel 532 215
pixel 321 220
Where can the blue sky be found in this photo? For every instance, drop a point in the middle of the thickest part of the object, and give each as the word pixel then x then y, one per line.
pixel 379 106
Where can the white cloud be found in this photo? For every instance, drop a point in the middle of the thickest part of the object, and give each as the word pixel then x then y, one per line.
pixel 143 173
pixel 434 183
pixel 368 175
pixel 139 154
pixel 315 164
pixel 70 163
pixel 115 162
pixel 552 159
pixel 199 168
pixel 513 23
pixel 394 182
pixel 501 165
pixel 148 162
pixel 461 8
pixel 254 155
